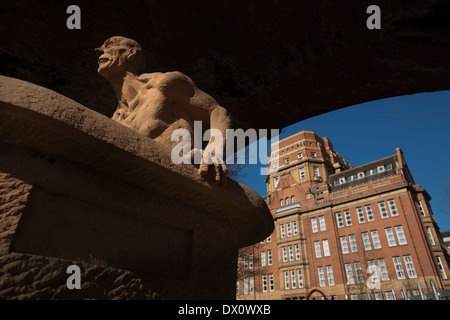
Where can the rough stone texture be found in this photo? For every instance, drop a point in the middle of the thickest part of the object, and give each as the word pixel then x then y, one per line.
pixel 62 165
pixel 270 63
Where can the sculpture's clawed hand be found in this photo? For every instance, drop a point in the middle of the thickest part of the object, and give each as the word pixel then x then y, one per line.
pixel 221 172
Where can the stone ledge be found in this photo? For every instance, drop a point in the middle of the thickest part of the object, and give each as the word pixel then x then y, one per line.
pixel 33 116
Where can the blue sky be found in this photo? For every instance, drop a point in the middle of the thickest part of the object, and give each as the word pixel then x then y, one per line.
pixel 419 124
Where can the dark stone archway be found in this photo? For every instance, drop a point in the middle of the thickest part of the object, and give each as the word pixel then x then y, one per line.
pixel 271 63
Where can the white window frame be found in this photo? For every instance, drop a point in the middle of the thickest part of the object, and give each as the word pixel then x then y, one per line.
pixel 297 251
pixel 366 241
pixel 264 282
pixel 317 249
pixel 348 218
pixel 430 236
pixel 326 248
pixel 314 227
pixel 282 232
pixel 392 207
pixel 360 214
pixel 401 236
pixel 321 275
pixel 375 239
pixel 269 257
pixel 349 273
pixel 294 228
pixel 330 276
pixel 301 173
pixel 383 210
pixel 288 230
pixel 344 245
pixel 286 280
pixel 284 254
pixel 316 171
pixel 383 269
pixel 390 237
pixel 322 224
pixel 339 219
pixel 300 278
pixel 369 212
pixel 291 253
pixel 398 266
pixel 353 244
pixel 263 258
pixel 410 269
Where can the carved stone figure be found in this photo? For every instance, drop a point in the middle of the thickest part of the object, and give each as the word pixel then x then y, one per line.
pixel 156 104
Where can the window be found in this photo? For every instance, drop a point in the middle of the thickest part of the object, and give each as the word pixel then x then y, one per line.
pixel 410 267
pixel 271 287
pixel 326 248
pixel 349 273
pixel 286 280
pixel 264 282
pixel 292 199
pixel 314 225
pixel 375 239
pixel 371 268
pixel 245 258
pixel 344 245
pixel 288 229
pixel 297 251
pixel 282 234
pixel 378 295
pixel 287 201
pixel 246 285
pixel 441 268
pixel 252 284
pixel 398 268
pixel 383 210
pixel 369 213
pixel 276 180
pixel 299 156
pixel 321 276
pixel 293 281
pixel 291 253
pixel 390 237
pixel 421 209
pixel 284 254
pixel 237 286
pixel 263 258
pixel 348 218
pixel 360 214
pixel 359 272
pixel 330 275
pixel 383 270
pixel 275 164
pixel 300 278
pixel 366 241
pixel 250 261
pixel 317 249
pixel 301 171
pixel 281 203
pixel 430 236
pixel 339 220
pixel 400 235
pixel 389 295
pixel 269 239
pixel 353 245
pixel 392 208
pixel 286 160
pixel 316 171
pixel 323 227
pixel 294 228
pixel 313 154
pixel 269 257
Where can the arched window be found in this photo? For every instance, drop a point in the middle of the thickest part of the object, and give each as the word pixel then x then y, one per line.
pixel 281 203
pixel 287 201
pixel 293 199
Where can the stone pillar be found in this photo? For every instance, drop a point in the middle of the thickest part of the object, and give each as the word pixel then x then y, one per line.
pixel 77 188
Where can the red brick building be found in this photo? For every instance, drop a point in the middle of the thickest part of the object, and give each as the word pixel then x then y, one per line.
pixel 350 232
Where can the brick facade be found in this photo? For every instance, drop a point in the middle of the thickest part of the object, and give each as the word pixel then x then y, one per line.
pixel 333 221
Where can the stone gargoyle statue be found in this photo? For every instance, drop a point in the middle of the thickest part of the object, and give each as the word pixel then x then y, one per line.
pixel 156 104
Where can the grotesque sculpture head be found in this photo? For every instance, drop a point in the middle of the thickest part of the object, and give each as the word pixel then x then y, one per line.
pixel 119 55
